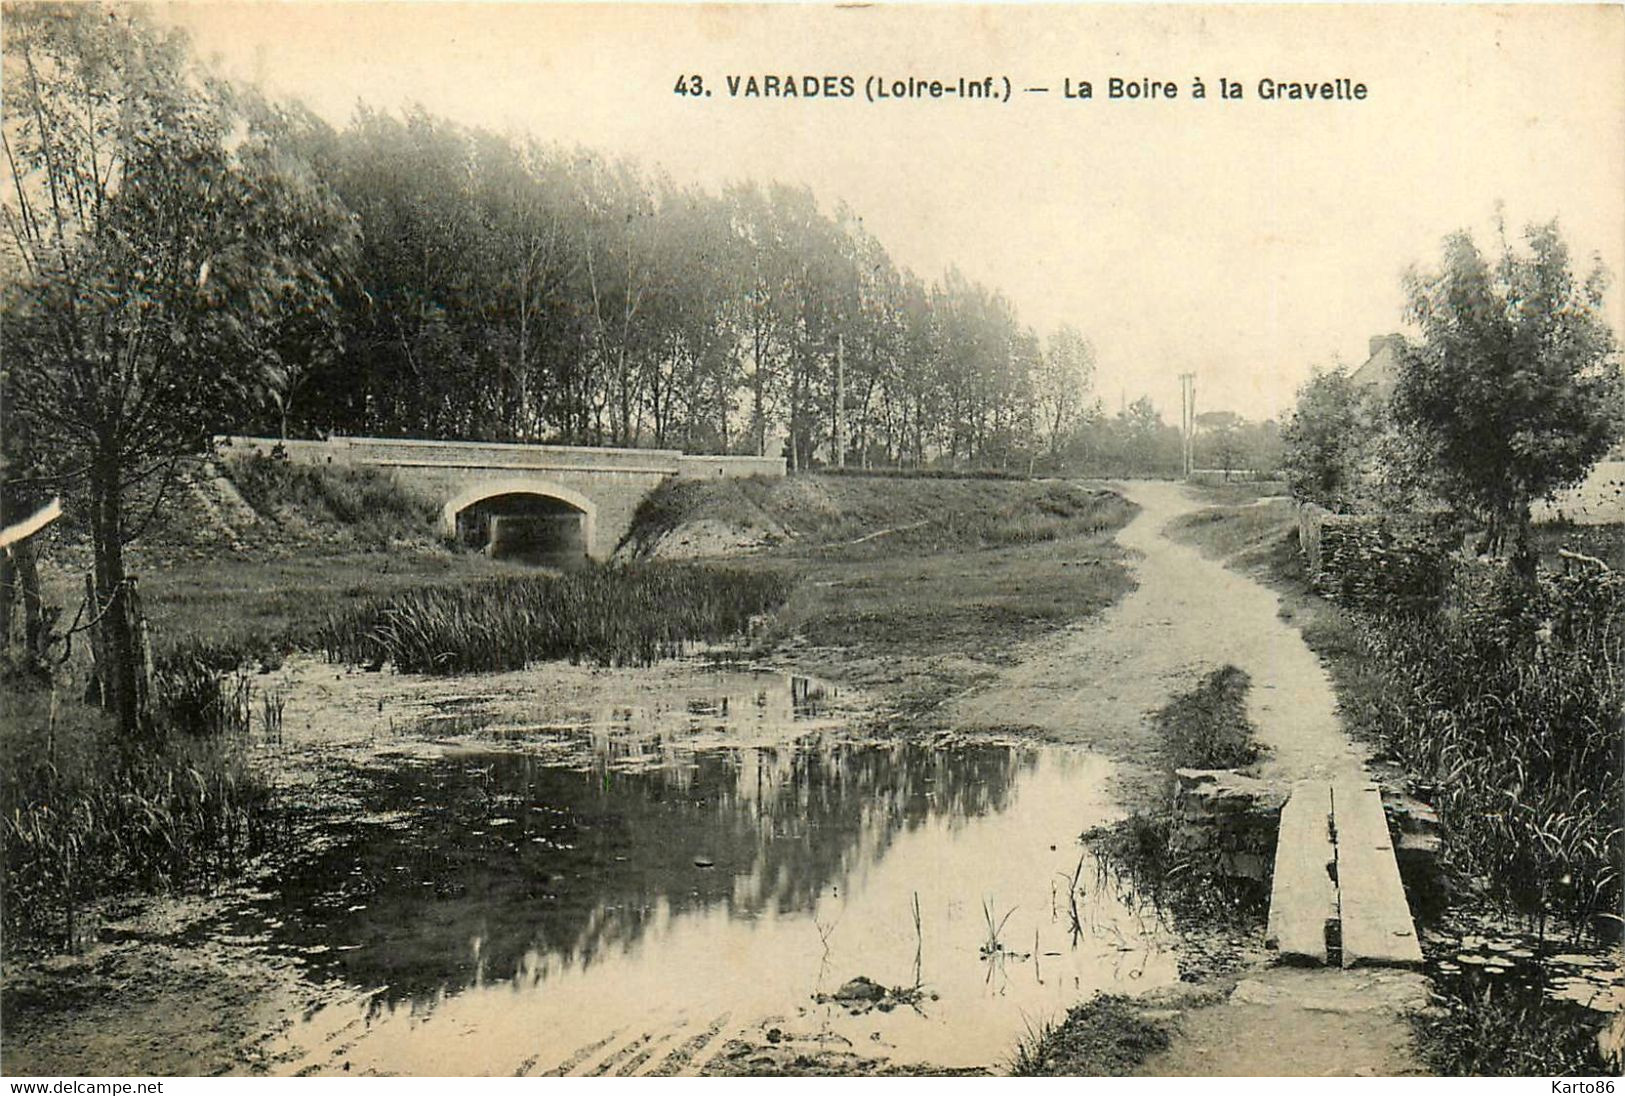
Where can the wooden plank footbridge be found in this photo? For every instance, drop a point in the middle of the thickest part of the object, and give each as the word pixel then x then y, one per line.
pixel 1337 890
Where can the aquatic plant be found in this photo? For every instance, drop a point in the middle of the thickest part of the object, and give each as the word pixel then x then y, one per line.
pixel 632 615
pixel 272 704
pixel 85 814
pixel 993 946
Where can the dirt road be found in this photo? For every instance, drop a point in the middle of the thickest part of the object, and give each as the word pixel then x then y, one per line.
pixel 1095 684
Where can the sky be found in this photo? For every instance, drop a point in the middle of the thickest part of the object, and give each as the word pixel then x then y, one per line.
pixel 1246 240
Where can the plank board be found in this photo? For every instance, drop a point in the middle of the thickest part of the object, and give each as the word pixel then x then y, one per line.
pixel 1376 920
pixel 1303 897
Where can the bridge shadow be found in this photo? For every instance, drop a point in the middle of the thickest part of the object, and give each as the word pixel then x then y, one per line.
pixel 524 527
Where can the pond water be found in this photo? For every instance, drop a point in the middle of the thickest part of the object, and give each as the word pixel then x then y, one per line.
pixel 624 889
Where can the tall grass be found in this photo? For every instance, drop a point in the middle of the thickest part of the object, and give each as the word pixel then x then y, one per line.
pixel 632 615
pixel 1511 700
pixel 85 815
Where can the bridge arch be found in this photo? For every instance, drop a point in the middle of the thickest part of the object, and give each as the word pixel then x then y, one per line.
pixel 520 487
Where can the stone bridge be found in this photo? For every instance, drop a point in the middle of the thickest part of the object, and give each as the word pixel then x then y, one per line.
pixel 520 500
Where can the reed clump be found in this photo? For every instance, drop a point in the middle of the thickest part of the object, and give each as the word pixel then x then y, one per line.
pixel 201 691
pixel 86 815
pixel 625 616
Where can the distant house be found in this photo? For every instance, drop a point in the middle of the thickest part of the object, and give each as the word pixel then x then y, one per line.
pixel 1381 369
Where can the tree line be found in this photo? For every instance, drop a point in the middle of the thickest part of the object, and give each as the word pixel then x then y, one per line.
pixel 508 289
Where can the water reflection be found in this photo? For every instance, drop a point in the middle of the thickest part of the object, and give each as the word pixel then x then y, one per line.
pixel 545 906
pixel 522 855
pixel 656 723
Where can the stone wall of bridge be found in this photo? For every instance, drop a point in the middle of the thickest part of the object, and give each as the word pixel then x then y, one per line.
pixel 606 485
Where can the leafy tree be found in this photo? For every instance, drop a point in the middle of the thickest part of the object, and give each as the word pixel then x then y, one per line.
pixel 1327 439
pixel 1513 389
pixel 1144 442
pixel 1226 442
pixel 166 257
pixel 1061 388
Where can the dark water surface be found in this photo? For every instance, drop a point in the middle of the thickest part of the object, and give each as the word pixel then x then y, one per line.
pixel 526 911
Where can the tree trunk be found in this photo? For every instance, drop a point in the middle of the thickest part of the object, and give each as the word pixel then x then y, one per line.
pixel 1525 560
pixel 117 668
pixel 8 597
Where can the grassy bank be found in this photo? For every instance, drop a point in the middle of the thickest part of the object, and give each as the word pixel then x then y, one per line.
pixel 873 516
pixel 367 506
pixel 919 598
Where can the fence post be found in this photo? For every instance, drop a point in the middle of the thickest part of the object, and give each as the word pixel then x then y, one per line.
pixel 141 642
pixel 95 688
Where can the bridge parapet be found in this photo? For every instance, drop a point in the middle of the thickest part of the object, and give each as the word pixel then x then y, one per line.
pixel 718 467
pixel 417 452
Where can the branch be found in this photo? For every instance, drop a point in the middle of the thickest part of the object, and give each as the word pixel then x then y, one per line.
pixel 163 490
pixel 1581 557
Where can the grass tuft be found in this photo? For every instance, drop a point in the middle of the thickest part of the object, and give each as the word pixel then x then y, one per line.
pixel 1104 1037
pixel 1207 727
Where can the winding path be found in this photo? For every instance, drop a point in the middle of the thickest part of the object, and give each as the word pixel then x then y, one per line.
pixel 1095 684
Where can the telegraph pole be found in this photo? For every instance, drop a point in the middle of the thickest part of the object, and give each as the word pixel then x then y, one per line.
pixel 840 401
pixel 1187 422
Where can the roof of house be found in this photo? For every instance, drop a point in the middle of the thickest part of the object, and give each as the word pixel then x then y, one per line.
pixel 1381 369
